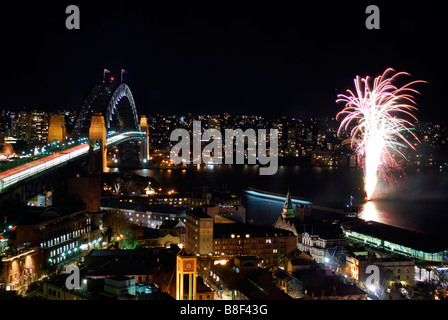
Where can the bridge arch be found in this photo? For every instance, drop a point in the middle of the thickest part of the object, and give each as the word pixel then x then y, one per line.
pixel 121 111
pixel 115 102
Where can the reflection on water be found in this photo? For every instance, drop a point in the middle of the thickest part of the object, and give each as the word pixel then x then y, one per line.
pixel 424 216
pixel 369 211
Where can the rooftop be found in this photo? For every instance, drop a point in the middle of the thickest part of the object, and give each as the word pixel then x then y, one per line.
pixel 324 230
pixel 118 278
pixel 59 282
pixel 226 230
pixel 259 285
pixel 302 262
pixel 405 237
pixel 171 224
pixel 319 283
pixel 146 257
pixel 119 269
pixel 141 206
pixel 201 287
pixel 108 253
pixel 199 213
pixel 283 275
pixel 36 215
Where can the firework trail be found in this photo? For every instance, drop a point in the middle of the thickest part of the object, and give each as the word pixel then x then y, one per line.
pixel 378 130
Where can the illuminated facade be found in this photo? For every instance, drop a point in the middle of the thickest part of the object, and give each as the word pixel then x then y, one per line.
pixel 145 145
pixel 97 133
pixel 400 241
pixel 199 232
pixel 320 247
pixel 39 127
pixel 322 158
pixel 62 238
pixel 148 219
pixel 186 265
pixel 395 270
pixel 268 243
pixel 31 126
pixel 352 263
pixel 20 268
pixel 56 129
pixel 204 237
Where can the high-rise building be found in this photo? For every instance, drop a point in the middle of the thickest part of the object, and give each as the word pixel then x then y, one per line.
pixel 199 230
pixel 22 126
pixel 6 122
pixel 31 127
pixel 39 126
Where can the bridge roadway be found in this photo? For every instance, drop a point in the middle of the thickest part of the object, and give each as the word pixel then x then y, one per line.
pixel 15 175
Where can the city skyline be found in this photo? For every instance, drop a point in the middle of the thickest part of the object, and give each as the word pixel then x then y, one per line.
pixel 272 60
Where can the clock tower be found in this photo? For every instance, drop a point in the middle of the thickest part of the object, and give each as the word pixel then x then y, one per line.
pixel 186 266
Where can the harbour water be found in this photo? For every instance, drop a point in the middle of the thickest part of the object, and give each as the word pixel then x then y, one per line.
pixel 417 200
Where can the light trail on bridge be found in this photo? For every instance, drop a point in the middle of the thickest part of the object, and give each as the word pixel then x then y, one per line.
pixel 15 175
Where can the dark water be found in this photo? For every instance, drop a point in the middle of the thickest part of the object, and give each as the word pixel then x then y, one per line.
pixel 417 200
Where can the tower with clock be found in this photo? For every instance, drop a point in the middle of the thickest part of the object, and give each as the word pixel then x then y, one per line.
pixel 186 268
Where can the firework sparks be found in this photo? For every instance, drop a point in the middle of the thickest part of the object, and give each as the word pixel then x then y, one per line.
pixel 378 130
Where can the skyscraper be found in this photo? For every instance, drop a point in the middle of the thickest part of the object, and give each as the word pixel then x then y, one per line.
pixel 31 126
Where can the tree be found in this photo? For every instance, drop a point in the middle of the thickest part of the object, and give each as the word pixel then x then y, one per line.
pixel 138 231
pixel 426 289
pixel 442 279
pixel 129 243
pixel 117 187
pixel 386 278
pixel 117 222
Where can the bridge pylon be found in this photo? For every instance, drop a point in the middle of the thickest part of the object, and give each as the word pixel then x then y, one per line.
pixel 56 129
pixel 97 132
pixel 145 128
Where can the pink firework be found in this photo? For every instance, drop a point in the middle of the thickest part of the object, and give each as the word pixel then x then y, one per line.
pixel 378 130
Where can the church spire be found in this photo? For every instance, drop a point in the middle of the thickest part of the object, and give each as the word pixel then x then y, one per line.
pixel 288 210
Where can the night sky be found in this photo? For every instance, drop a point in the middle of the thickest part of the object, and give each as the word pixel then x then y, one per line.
pixel 242 57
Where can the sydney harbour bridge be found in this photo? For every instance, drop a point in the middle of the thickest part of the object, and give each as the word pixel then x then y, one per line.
pixel 107 117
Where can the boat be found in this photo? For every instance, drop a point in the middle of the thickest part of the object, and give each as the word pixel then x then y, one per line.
pixel 275 196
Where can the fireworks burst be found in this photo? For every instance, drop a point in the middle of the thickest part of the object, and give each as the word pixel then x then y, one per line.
pixel 375 111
